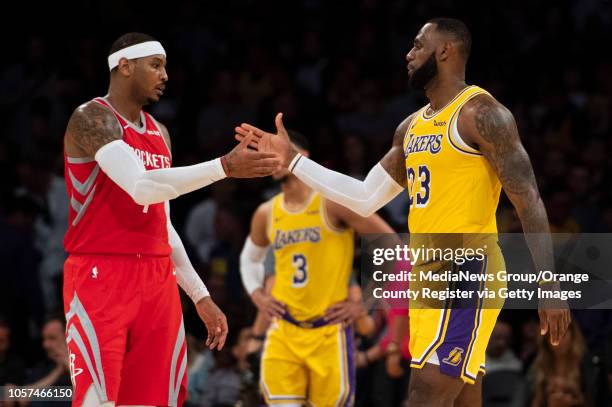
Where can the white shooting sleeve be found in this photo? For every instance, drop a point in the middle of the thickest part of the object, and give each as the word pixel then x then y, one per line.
pixel 122 165
pixel 186 276
pixel 252 265
pixel 363 197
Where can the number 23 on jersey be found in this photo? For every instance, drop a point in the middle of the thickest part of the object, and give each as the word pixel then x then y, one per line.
pixel 419 186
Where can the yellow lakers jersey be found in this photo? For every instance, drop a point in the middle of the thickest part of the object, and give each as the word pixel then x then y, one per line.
pixel 451 186
pixel 313 259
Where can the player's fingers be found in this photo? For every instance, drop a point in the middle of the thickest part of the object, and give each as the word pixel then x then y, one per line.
pixel 335 311
pixel 209 330
pixel 256 131
pixel 280 127
pixel 337 314
pixel 263 155
pixel 268 163
pixel 334 308
pixel 275 301
pixel 333 320
pixel 267 170
pixel 254 142
pixel 341 317
pixel 554 326
pixel 562 324
pixel 272 313
pixel 215 337
pixel 244 131
pixel 278 309
pixel 246 140
pixel 543 322
pixel 224 331
pixel 331 310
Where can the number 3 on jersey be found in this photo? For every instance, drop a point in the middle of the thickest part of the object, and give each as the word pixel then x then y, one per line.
pixel 300 276
pixel 421 194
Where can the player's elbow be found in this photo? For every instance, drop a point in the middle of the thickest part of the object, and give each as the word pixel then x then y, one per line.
pixel 525 200
pixel 147 192
pixel 365 210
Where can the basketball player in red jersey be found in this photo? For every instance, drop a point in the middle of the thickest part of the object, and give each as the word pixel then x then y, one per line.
pixel 125 330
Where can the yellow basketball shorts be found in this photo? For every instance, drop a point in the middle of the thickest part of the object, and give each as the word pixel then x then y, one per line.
pixel 313 365
pixel 455 335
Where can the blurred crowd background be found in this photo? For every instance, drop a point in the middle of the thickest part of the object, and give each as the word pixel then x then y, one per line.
pixel 337 71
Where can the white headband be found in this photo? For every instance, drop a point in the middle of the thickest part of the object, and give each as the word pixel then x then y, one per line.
pixel 144 49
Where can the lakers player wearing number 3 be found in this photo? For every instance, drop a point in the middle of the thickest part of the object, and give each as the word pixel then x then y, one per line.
pixel 454 155
pixel 308 352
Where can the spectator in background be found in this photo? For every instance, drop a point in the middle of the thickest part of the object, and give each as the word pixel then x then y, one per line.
pixel 503 384
pixel 217 119
pixel 11 365
pixel 566 375
pixel 559 213
pixel 528 348
pixel 499 354
pixel 201 361
pixel 222 389
pixel 57 369
pixel 20 283
pixel 200 223
pixel 39 183
pixel 581 185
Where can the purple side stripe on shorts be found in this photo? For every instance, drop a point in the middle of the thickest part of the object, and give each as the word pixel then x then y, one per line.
pixel 348 331
pixel 464 319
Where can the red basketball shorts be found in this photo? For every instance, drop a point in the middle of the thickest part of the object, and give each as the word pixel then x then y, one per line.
pixel 125 330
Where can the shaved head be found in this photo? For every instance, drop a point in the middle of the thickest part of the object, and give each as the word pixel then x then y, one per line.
pixel 456 31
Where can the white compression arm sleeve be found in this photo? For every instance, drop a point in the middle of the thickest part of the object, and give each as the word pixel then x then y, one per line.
pixel 122 165
pixel 252 265
pixel 363 197
pixel 186 276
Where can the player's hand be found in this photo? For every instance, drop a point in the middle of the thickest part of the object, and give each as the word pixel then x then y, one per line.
pixel 215 322
pixel 346 312
pixel 243 162
pixel 393 365
pixel 555 317
pixel 268 304
pixel 263 141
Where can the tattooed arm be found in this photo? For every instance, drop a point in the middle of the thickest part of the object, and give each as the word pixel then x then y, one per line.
pixel 489 126
pixel 90 127
pixel 94 132
pixel 394 161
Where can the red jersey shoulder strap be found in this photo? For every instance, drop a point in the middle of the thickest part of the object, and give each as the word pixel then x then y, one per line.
pixel 154 124
pixel 104 103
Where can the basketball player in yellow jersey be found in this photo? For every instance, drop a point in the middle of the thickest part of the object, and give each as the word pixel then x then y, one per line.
pixel 308 352
pixel 454 155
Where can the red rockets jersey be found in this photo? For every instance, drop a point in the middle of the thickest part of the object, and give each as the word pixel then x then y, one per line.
pixel 104 219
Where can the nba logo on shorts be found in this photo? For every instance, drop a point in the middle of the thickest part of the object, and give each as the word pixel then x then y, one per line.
pixel 454 356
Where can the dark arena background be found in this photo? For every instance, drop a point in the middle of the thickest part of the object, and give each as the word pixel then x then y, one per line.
pixel 337 71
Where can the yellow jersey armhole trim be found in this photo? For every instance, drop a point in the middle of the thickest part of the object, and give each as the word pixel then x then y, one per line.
pixel 414 119
pixel 326 222
pixel 453 123
pixel 270 217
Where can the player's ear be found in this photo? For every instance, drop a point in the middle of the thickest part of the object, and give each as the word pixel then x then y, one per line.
pixel 444 50
pixel 125 67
